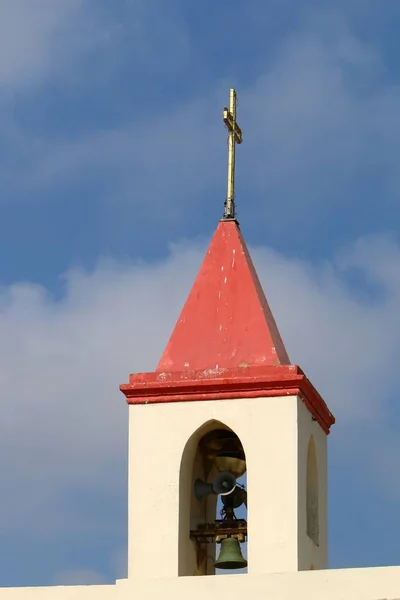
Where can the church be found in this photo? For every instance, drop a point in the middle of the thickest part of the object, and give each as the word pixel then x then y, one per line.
pixel 235 439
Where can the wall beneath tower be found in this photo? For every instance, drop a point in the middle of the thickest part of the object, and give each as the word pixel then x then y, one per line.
pixel 344 584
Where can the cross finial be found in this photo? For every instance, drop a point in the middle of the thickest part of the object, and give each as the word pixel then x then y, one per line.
pixel 234 137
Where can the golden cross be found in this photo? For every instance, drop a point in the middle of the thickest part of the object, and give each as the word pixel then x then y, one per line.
pixel 234 137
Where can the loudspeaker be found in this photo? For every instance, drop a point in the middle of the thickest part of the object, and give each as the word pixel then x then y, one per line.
pixel 202 489
pixel 235 499
pixel 223 484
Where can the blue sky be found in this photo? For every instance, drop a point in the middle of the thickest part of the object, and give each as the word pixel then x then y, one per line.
pixel 112 180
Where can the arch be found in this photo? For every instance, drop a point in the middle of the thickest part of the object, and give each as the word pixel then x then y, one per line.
pixel 198 461
pixel 312 500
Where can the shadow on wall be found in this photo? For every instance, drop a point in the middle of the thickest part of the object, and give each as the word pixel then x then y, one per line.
pixel 312 493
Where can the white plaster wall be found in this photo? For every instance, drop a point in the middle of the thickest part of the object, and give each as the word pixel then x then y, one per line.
pixel 346 584
pixel 309 553
pixel 343 584
pixel 79 592
pixel 268 429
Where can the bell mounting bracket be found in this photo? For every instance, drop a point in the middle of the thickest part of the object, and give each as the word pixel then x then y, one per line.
pixel 219 530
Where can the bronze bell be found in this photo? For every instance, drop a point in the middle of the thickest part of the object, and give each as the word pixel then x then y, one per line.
pixel 230 556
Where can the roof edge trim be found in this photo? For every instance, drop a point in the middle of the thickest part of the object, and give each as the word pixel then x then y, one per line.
pixel 228 384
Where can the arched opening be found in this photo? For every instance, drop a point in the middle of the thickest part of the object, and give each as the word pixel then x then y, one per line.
pixel 312 507
pixel 212 501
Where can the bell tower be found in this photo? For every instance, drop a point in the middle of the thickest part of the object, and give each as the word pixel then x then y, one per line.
pixel 224 402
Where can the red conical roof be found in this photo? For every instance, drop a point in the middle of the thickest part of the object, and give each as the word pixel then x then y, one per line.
pixel 226 321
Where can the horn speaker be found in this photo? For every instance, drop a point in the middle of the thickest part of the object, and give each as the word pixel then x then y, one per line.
pixel 223 484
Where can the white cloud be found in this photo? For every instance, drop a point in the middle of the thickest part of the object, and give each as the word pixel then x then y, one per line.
pixel 62 419
pixel 345 340
pixel 67 42
pixel 32 38
pixel 321 117
pixel 51 38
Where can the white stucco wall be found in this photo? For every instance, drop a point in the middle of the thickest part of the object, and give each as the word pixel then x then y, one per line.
pixel 351 584
pixel 308 552
pixel 347 584
pixel 73 592
pixel 275 434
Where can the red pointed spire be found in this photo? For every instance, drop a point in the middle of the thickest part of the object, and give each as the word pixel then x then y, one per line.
pixel 226 321
pixel 226 344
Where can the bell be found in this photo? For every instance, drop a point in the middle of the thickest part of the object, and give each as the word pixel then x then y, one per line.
pixel 230 556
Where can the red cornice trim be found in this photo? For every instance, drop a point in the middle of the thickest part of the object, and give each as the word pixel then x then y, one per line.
pixel 225 384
